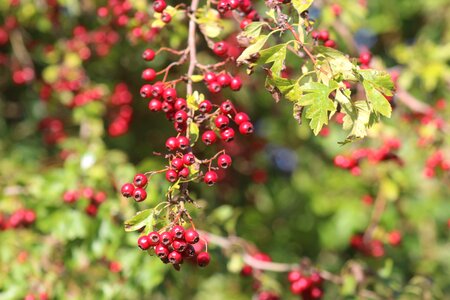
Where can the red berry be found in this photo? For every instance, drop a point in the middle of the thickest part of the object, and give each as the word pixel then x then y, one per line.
pixel 203 259
pixel 72 196
pixel 149 74
pixel 235 84
pixel 177 163
pixel 233 4
pixel 244 23
pixel 177 231
pixel 170 95
pixel 222 6
pixel 139 194
pixel 140 180
pixel 146 91
pixel 330 44
pixel 166 238
pixel 224 79
pixel 181 116
pixel 315 278
pixel 188 159
pixel 226 107
pixel 183 142
pixel 159 5
pixel 315 35
pixel 205 106
pixel 127 190
pixel 180 104
pixel 148 55
pixel 209 77
pixel 214 87
pixel 191 236
pixel 241 117
pixel 166 107
pixel 166 17
pixel 179 246
pixel 157 90
pixel 294 276
pixel 246 128
pixel 171 175
pixel 180 127
pixel 220 48
pixel 161 251
pixel 365 58
pixel 316 293
pixel 299 286
pixel 209 137
pixel 210 177
pixel 190 251
pixel 154 238
pixel 324 35
pixel 172 144
pixel 221 121
pixel 144 242
pixel 184 172
pixel 227 134
pixel 224 161
pixel 154 105
pixel 175 257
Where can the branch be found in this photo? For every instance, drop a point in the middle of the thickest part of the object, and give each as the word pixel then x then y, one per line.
pixel 412 102
pixel 191 46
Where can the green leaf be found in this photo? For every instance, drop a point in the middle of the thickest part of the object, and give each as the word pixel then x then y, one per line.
pixel 253 48
pixel 377 85
pixel 301 5
pixel 194 132
pixel 357 119
pixel 379 103
pixel 336 63
pixel 253 30
pixel 209 22
pixel 283 84
pixel 140 220
pixel 381 80
pixel 276 55
pixel 316 97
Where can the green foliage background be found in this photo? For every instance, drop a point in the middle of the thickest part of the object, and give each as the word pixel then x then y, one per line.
pixel 306 208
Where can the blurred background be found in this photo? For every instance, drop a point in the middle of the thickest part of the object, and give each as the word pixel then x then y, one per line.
pixel 72 121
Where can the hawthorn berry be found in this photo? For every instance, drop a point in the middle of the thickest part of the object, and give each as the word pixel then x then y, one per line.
pixel 209 77
pixel 159 5
pixel 172 144
pixel 181 116
pixel 244 23
pixel 166 107
pixel 220 48
pixel 149 74
pixel 184 173
pixel 166 17
pixel 154 105
pixel 161 251
pixel 223 6
pixel 224 161
pixel 190 251
pixel 224 79
pixel 294 276
pixel 226 107
pixel 180 127
pixel 205 106
pixel 148 55
pixel 177 231
pixel 324 35
pixel 227 134
pixel 240 118
pixel 171 175
pixel 144 242
pixel 92 209
pixel 209 137
pixel 175 257
pixel 299 286
pixel 365 58
pixel 221 121
pixel 157 90
pixel 180 104
pixel 139 194
pixel 177 163
pixel 127 190
pixel 203 259
pixel 140 180
pixel 154 238
pixel 210 177
pixel 191 236
pixel 170 95
pixel 330 44
pixel 235 84
pixel 188 159
pixel 214 87
pixel 146 91
pixel 179 246
pixel 166 238
pixel 246 128
pixel 233 4
pixel 183 142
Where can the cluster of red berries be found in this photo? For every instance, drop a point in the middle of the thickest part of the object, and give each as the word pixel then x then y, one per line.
pixel 175 245
pixel 372 248
pixel 122 112
pixel 324 36
pixel 136 189
pixel 52 130
pixel 436 163
pixel 384 153
pixel 19 218
pixel 216 82
pixel 243 7
pixel 117 11
pixel 309 287
pixel 95 199
pixel 99 41
pixel 41 296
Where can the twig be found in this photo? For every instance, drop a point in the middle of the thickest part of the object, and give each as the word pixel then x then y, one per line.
pixel 192 48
